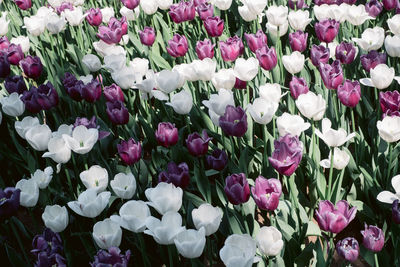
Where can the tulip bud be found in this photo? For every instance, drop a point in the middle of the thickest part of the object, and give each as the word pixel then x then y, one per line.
pixel 178 46
pixel 197 144
pixel 5 69
pixel 130 151
pixel 15 84
pixel 29 195
pixel 348 249
pixel 113 93
pixel 349 93
pixel 91 92
pixel 12 105
pixel 214 26
pixel 131 4
pixel 287 154
pixel 94 17
pixel 181 102
pixel 23 4
pixel 56 218
pixel 147 36
pixel 239 84
pixel 183 11
pixel 117 112
pixel 205 10
pixel 332 75
pixel 166 134
pixel 32 67
pixel 373 8
pixel 4 43
pixel 326 30
pixel 47 96
pixel 256 41
pixel 389 4
pixel 266 193
pixel 208 217
pixel 298 41
pixel 389 101
pixel 298 86
pixel 319 54
pixel 231 49
pixel 237 188
pixel 205 49
pixel 217 160
pixel 334 219
pixel 373 238
pixel 176 174
pixel 372 59
pixel 267 57
pixel 234 121
pixel 396 211
pixel 9 202
pixel 15 54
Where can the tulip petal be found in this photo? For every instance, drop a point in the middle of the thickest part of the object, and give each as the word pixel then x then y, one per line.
pixel 387 197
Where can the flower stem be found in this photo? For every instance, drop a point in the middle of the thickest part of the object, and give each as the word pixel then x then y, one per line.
pixel 18 239
pixel 389 163
pixel 328 196
pixel 376 260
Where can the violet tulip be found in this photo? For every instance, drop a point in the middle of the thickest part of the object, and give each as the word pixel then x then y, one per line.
pixel 334 219
pixel 23 4
pixel 183 11
pixel 299 4
pixel 298 86
pixel 239 84
pixel 147 36
pixel 176 174
pixel 45 259
pixel 319 54
pixel 113 93
pixel 167 134
pixel 237 188
pixel 15 84
pixel 205 10
pixel 117 112
pixel 214 26
pixel 48 242
pixel 326 30
pixel 131 4
pixel 64 6
pixel 288 152
pixel 231 49
pixel 205 49
pixel 256 40
pixel 197 144
pixel 94 17
pixel 372 59
pixel 234 121
pixel 348 249
pixel 32 66
pixel 298 41
pixel 72 86
pixel 389 101
pixel 110 35
pixel 178 46
pixel 267 57
pixel 91 92
pixel 217 160
pixel 5 68
pixel 9 202
pixel 266 193
pixel 349 93
pixel 30 100
pixel 47 96
pixel 130 151
pixel 92 123
pixel 112 256
pixel 199 2
pixel 14 54
pixel 373 8
pixel 373 238
pixel 121 23
pixel 390 4
pixel 4 43
pixel 396 211
pixel 331 74
pixel 345 53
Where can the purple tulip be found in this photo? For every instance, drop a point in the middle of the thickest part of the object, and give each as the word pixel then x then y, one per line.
pixel 131 4
pixel 73 86
pixel 319 54
pixel 94 17
pixel 113 93
pixel 183 11
pixel 205 10
pixel 47 96
pixel 239 84
pixel 130 151
pixel 32 67
pixel 117 112
pixel 266 193
pixel 48 242
pixel 197 144
pixel 390 4
pixel 217 160
pixel 64 6
pixel 327 2
pixel 267 57
pixel 396 211
pixel 332 75
pixel 256 41
pixel 373 238
pixel 326 30
pixel 23 4
pixel 177 175
pixel 345 52
pixel 348 249
pixel 298 86
pixel 214 26
pixel 30 99
pixel 237 188
pixel 178 46
pixel 298 41
pixel 349 2
pixel 4 43
pixel 15 54
pixel 92 123
pixel 110 35
pixel 372 59
pixel 119 24
pixel 9 202
pixel 199 2
pixel 299 4
pixel 349 93
pixel 112 257
pixel 147 36
pixel 205 49
pixel 334 219
pixel 5 68
pixel 287 154
pixel 231 49
pixel 234 121
pixel 15 84
pixel 91 92
pixel 373 8
pixel 167 134
pixel 44 260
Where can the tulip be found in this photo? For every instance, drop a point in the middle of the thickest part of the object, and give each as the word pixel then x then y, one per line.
pixel 113 93
pixel 333 138
pixel 239 84
pixel 43 178
pixel 5 69
pixel 64 6
pixel 166 134
pixel 4 43
pixel 218 160
pixel 29 192
pixel 388 128
pixel 217 104
pixel 205 49
pixel 94 17
pixel 197 144
pixel 74 17
pixel 124 185
pixel 389 4
pixel 92 62
pixel 326 30
pixel 4 23
pixel 124 77
pixel 89 203
pixel 91 91
pixel 190 243
pixel 298 41
pixel 234 121
pixel 372 59
pixel 297 4
pixel 340 159
pixel 381 77
pixel 47 243
pixel 199 2
pixel 357 15
pixel 231 49
pixel 181 102
pixel 183 11
pixel 130 151
pixel 298 86
pixel 266 193
pixel 237 188
pixel 246 14
pixel 224 79
pixel 373 238
pixel 30 99
pixel 271 92
pixel 267 57
pixel 394 24
pixel 178 46
pixel 299 19
pixel 95 177
pixel 55 24
pixel 389 197
pixel 389 101
pixel 32 67
pixel 38 137
pixel 291 124
pixel 371 39
pixel 117 112
pixel 112 257
pixel 256 41
pixel 164 197
pixel 167 80
pixel 348 249
pixel 178 175
pixel 23 4
pixel 132 216
pixel 147 36
pixel 35 25
pixel 149 7
pixel 47 96
pixel 55 217
pixel 262 111
pixel 346 53
pixel 205 10
pixel 311 106
pixel 208 217
pixel 107 14
pixel 23 41
pixel 58 150
pixel 73 87
pixel 334 219
pixel 277 15
pixel 204 69
pixel 287 154
pixel 9 202
pixel 396 211
pixel 110 35
pixel 131 4
pixel 319 54
pixel 246 70
pixel 214 26
pixel 238 250
pixel 294 62
pixel 15 84
pixel 349 93
pixel 222 4
pixel 15 54
pixel 107 234
pixel 392 45
pixel 27 123
pixel 373 8
pixel 269 241
pixel 165 231
pixel 332 75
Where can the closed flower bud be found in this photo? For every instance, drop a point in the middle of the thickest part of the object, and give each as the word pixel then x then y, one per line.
pixel 113 93
pixel 32 67
pixel 231 49
pixel 23 4
pixel 311 106
pixel 256 41
pixel 266 193
pixel 117 112
pixel 319 54
pixel 94 17
pixel 178 46
pixel 181 102
pixel 217 160
pixel 166 134
pixel 332 75
pixel 130 151
pixel 389 4
pixel 373 8
pixel 287 154
pixel 183 11
pixel 298 41
pixel 38 137
pixel 326 30
pixel 15 54
pixel 269 241
pixel 56 218
pixel 205 49
pixel 205 10
pixel 214 26
pixel 190 243
pixel 29 192
pixel 389 128
pixel 349 93
pixel 237 188
pixel 291 124
pixel 30 99
pixel 267 57
pixel 47 96
pixel 246 69
pixel 298 86
pixel 294 62
pixel 131 4
pixel 91 91
pixel 348 249
pixel 197 144
pixel 208 217
pixel 147 36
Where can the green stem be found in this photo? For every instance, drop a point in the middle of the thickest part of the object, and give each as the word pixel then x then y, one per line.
pixel 376 260
pixel 19 240
pixel 264 159
pixel 328 196
pixel 390 162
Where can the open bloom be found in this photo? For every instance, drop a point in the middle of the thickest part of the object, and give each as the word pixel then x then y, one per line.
pixel 29 195
pixel 190 243
pixel 107 234
pixel 234 121
pixel 311 106
pixel 82 139
pixel 176 174
pixel 165 230
pixel 43 178
pixel 238 250
pixel 261 110
pixel 89 203
pixel 269 241
pixel 132 216
pixel 287 154
pixel 271 92
pixel 334 219
pixel 266 193
pixel 208 217
pixel 346 52
pixel 389 197
pixel 331 137
pixel 389 128
pixel 55 217
pixel 164 197
pixel 373 238
pixel 256 41
pixel 298 86
pixel 124 185
pixel 381 77
pixel 371 39
pixel 340 159
pixel 348 249
pixel 178 46
pixel 112 257
pixel 299 19
pixel 292 124
pixel 96 177
pixel 12 105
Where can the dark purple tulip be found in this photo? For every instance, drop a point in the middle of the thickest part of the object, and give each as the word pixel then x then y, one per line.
pixel 177 175
pixel 119 24
pixel 267 57
pixel 131 4
pixel 373 238
pixel 48 242
pixel 167 134
pixel 239 84
pixel 396 211
pixel 64 6
pixel 147 36
pixel 372 59
pixel 214 26
pixel 117 112
pixel 47 96
pixel 348 249
pixel 205 49
pixel 266 193
pixel 298 41
pixel 287 154
pixel 32 67
pixel 334 219
pixel 373 8
pixel 5 68
pixel 345 52
pixel 183 11
pixel 46 260
pixel 332 75
pixel 112 257
pixel 9 202
pixel 256 41
pixel 390 4
pixel 197 144
pixel 234 121
pixel 73 87
pixel 15 84
pixel 178 46
pixel 300 4
pixel 349 93
pixel 231 49
pixel 23 4
pixel 92 123
pixel 217 160
pixel 326 30
pixel 199 2
pixel 349 2
pixel 205 10
pixel 30 100
pixel 130 151
pixel 328 2
pixel 69 80
pixel 319 54
pixel 94 17
pixel 110 35
pixel 4 43
pixel 237 188
pixel 298 86
pixel 15 54
pixel 113 93
pixel 91 92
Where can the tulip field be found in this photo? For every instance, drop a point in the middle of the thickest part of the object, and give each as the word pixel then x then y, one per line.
pixel 199 133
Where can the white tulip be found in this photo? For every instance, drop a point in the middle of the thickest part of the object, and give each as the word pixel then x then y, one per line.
pixel 104 49
pixel 339 12
pixel 141 67
pixel 95 177
pixel 321 12
pixel 332 48
pixel 190 243
pixel 43 178
pixel 55 217
pixel 114 62
pixel 92 62
pixel 271 92
pixel 277 15
pixel 389 197
pixel 389 128
pixel 27 123
pixel 246 69
pixel 164 4
pixel 58 150
pixel 371 39
pixel 224 78
pixel 132 216
pixel 130 14
pixel 291 124
pixel 392 45
pixel 340 159
pixel 311 106
pixel 167 81
pixel 12 105
pixel 238 250
pixel 44 12
pixel 164 197
pixel 124 185
pixel 357 15
pixel 181 102
pixel 82 139
pixel 4 23
pixel 273 29
pixel 222 4
pixel 86 79
pixel 255 6
pixel 63 129
pixel 394 24
pixel 262 111
pixel 185 72
pixel 125 77
pixel 107 234
pixel 23 41
pixel 204 69
pixel 35 25
pixel 89 203
pixel 55 24
pixel 164 231
pixel 149 7
pixel 246 14
pixel 218 102
pixel 331 137
pixel 74 17
pixel 29 192
pixel 294 62
pixel 269 241
pixel 107 13
pixel 208 217
pixel 381 77
pixel 38 137
pixel 299 19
